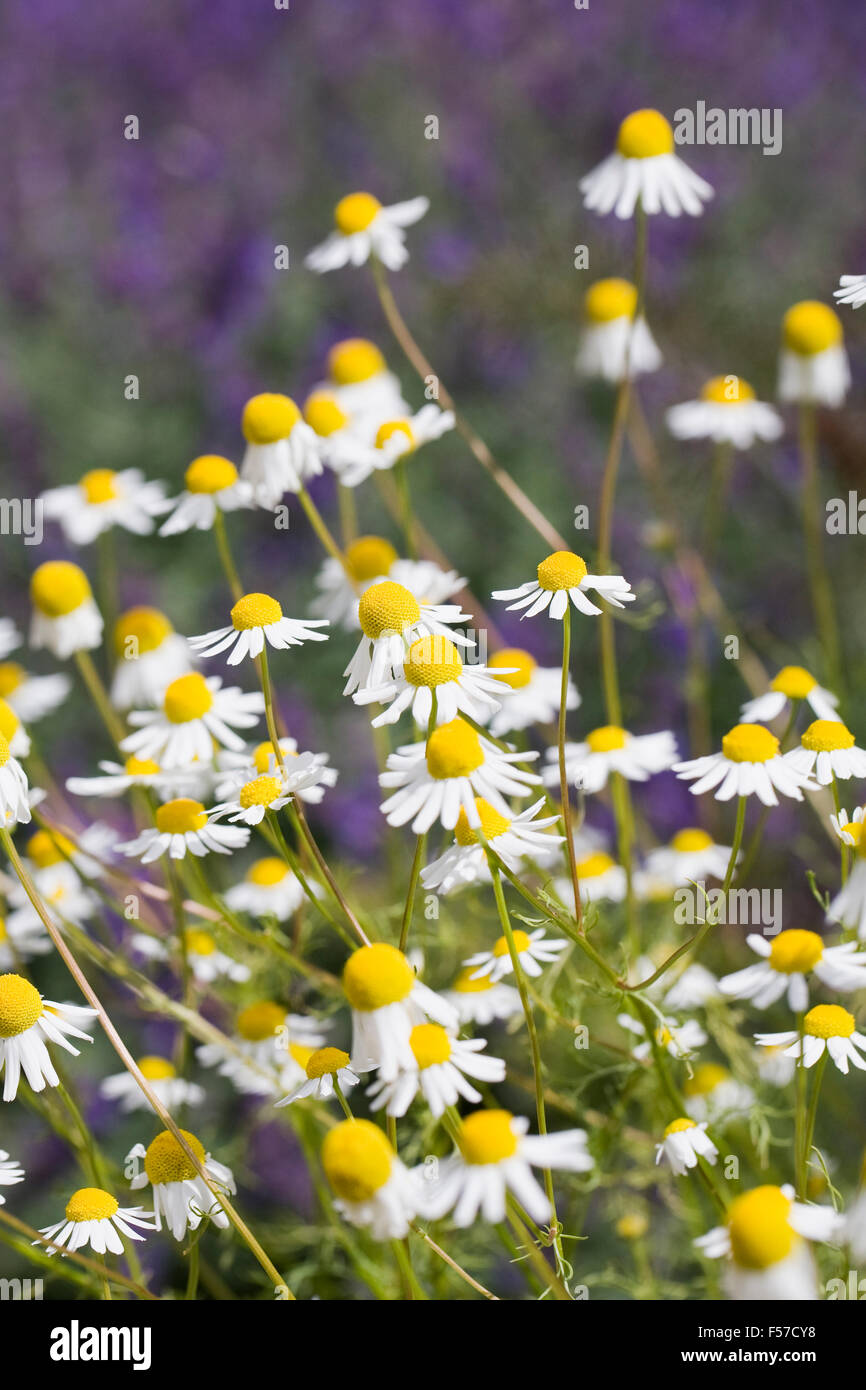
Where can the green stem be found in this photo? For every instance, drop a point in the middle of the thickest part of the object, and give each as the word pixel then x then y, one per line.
pixel 225 554
pixel 738 840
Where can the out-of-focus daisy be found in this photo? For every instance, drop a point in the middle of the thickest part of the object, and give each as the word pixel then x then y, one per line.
pixel 531 694
pixel 306 774
pixel 691 856
pixel 645 169
pixel 255 620
pixel 93 1217
pixel 712 1094
pixel 170 1089
pixel 678 1039
pixel 183 826
pixel 11 1173
pixel 13 731
pixel 373 1188
pixel 792 956
pixel 694 988
pixel 14 803
pixel 118 778
pixel 205 960
pixel 726 412
pixel 365 228
pixel 849 904
pixel 103 499
pixel 387 1000
pixel 852 290
pixel 270 888
pixel 10 637
pixel 358 378
pixel 613 343
pixel 442 1063
pixel 495 1156
pixel 775 1066
pixel 52 855
pixel 395 439
pixel 391 618
pixel 367 560
pixel 611 749
pixel 181 1197
pixel 792 683
pixel 749 764
pixel 826 1028
pixel 827 751
pixel 212 485
pixel 848 831
pixel 282 452
pixel 601 879
pixel 534 951
pixel 193 714
pixel 271 1048
pixel 813 363
pixel 21 938
pixel 27 1023
pixel 31 697
pixel 764 1243
pixel 563 576
pixel 683 1143
pixel 150 654
pixel 433 664
pixel 512 838
pixel 65 617
pixel 324 1067
pixel 479 999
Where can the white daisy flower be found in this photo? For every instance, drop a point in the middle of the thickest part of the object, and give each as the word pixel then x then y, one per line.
pixel 852 290
pixel 610 749
pixel 678 1039
pixel 27 1023
pixel 534 951
pixel 270 889
pixel 512 838
pixel 51 857
pixel 183 826
pixel 10 637
pixel 95 1218
pixel 826 1028
pixel 683 1143
pixel 813 363
pixel 792 683
pixel 65 618
pixel 531 693
pixel 848 831
pixel 206 962
pixel 600 878
pixel 749 764
pixel 728 413
pixel 13 731
pixel 433 664
pixel 613 344
pixel 255 620
pixel 270 792
pixel 365 228
pixel 563 576
pixel 325 1067
pixel 171 1090
pixel 14 803
pixel 775 1066
pixel 391 618
pixel 645 169
pixel 827 751
pixel 118 778
pixel 442 1063
pixel 691 857
pixel 361 386
pixel 712 1094
pixel 496 1156
pixel 31 697
pixel 21 938
pixel 181 1197
pixel 694 988
pixel 282 452
pixel 271 1048
pixel 194 712
pixel 395 439
pixel 103 499
pixel 387 1000
pixel 481 1000
pixel 786 963
pixel 763 1241
pixel 373 1188
pixel 212 485
pixel 150 655
pixel 307 774
pixel 368 560
pixel 11 1173
pixel 849 904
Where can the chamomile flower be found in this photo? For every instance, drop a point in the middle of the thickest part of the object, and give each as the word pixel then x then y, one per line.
pixel 792 956
pixel 150 655
pixel 27 1023
pixel 512 838
pixel 20 938
pixel 212 485
pixel 726 412
pixel 712 1094
pixel 429 582
pixel 495 1156
pixel 52 857
pixel 813 363
pixel 306 775
pixel 14 803
pixel 683 1143
pixel 531 693
pixel 395 439
pixel 93 1217
pixel 387 1000
pixel 792 683
pixel 204 959
pixel 181 1197
pixel 373 1188
pixel 325 1067
pixel 171 1090
pixel 366 561
pixel 644 169
pixel 442 1064
pixel 433 665
pixel 362 387
pixel 848 831
pixel 441 776
pixel 750 763
pixel 183 826
pixel 13 731
pixel 282 452
pixel 11 1173
pixel 31 697
pixel 691 857
pixel 826 1028
pixel 614 344
pixel 270 889
pixel 611 749
pixel 270 1050
pixel 534 951
pixel 849 904
pixel 827 751
pixel 365 228
pixel 563 576
pixel 193 713
pixel 10 637
pixel 600 878
pixel 680 1040
pixel 255 620
pixel 694 988
pixel 103 499
pixel 391 618
pixel 65 617
pixel 852 290
pixel 119 778
pixel 775 1066
pixel 481 1000
pixel 764 1243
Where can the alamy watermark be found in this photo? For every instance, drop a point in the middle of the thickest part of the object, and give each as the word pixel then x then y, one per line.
pixel 22 516
pixel 738 125
pixel 739 907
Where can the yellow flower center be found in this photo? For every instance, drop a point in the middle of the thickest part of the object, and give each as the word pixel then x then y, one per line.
pixel 645 134
pixel 392 427
pixel 492 824
pixel 260 1021
pixel 677 1127
pixel 561 570
pixel 594 865
pixel 91 1204
pixel 59 587
pixel 47 848
pixel 5 751
pixel 265 757
pixel 855 830
pixel 749 743
pixel 4 935
pixel 210 473
pixel 180 817
pixel 387 607
pixel 487 1137
pixel 300 1054
pixel 187 698
pixel 430 1045
pixel 829 1021
pixel 355 212
pixel 811 327
pixel 727 390
pixel 432 661
pixel 323 414
pixel 369 557
pixel 20 1005
pixel 691 841
pixel 796 952
pixel 255 610
pixel 9 721
pixel 826 735
pixel 98 485
pixel 357 1158
pixel 199 943
pixel 758 1224
pixel 524 666
pixel 261 792
pixel 611 299
pixel 147 626
pixel 354 360
pixel 140 767
pixel 11 676
pixel 269 417
pixel 453 750
pixel 795 682
pixel 156 1069
pixel 632 1226
pixel 266 872
pixel 464 984
pixel 165 1161
pixel 606 739
pixel 326 1061
pixel 375 976
pixel 706 1077
pixel 521 943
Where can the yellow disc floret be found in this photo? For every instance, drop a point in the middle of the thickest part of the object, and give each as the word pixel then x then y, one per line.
pixel 561 570
pixel 749 743
pixel 355 212
pixel 58 587
pixel 375 976
pixel 187 698
pixel 263 791
pixel 354 360
pixel 829 1021
pixel 796 952
pixel 465 984
pixel 156 1069
pixel 521 944
pixel 727 390
pixel 49 847
pixel 691 841
pixel 611 299
pixel 9 721
pixel 20 1005
pixel 260 1021
pixel 795 682
pixel 141 767
pixel 453 750
pixel 165 1161
pixel 645 134
pixel 11 677
pixel 91 1204
pixel 5 751
pixel 487 1137
pixel 594 865
pixel 811 327
pixel 705 1078
pixel 323 414
pixel 432 661
pixel 255 610
pixel 266 872
pixel 430 1045
pixel 180 817
pixel 140 630
pixel 522 663
pixel 390 428
pixel 369 557
pixel 760 1232
pixel 98 486
pixel 199 942
pixel 492 824
pixel 387 608
pixel 678 1126
pixel 826 736
pixel 632 1226
pixel 357 1159
pixel 606 739
pixel 326 1061
pixel 210 473
pixel 269 417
